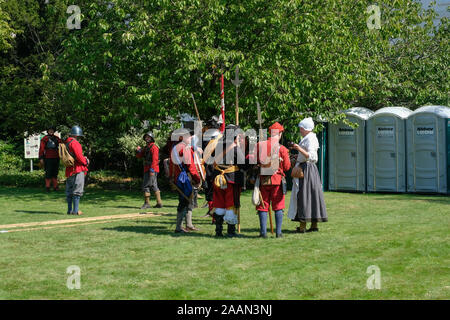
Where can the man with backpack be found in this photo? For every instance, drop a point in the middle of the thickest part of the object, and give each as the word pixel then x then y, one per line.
pixel 49 158
pixel 185 176
pixel 75 174
pixel 150 153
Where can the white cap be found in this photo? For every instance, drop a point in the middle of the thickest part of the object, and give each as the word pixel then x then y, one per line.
pixel 307 124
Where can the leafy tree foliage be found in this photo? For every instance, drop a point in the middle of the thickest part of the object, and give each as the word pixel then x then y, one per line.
pixel 140 60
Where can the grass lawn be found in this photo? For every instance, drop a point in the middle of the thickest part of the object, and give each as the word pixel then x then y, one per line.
pixel 405 236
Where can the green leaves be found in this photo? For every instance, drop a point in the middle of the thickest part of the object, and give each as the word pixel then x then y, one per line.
pixel 140 60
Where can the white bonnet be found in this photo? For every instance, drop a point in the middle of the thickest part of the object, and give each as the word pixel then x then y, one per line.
pixel 307 124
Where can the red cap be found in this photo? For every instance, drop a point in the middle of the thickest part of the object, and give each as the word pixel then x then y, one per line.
pixel 276 126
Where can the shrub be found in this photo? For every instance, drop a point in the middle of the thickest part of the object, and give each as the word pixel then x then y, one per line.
pixel 18 178
pixel 9 157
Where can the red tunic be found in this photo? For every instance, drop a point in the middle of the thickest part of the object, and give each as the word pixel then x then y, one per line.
pixel 185 154
pixel 45 153
pixel 273 193
pixel 263 157
pixel 80 160
pixel 154 150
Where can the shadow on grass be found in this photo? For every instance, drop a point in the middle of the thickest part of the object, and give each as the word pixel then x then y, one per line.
pixel 157 230
pixel 40 212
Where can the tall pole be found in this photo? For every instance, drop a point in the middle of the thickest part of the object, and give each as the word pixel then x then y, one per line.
pixel 237 82
pixel 259 121
pixel 222 103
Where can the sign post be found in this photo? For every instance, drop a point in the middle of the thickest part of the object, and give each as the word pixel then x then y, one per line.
pixel 31 145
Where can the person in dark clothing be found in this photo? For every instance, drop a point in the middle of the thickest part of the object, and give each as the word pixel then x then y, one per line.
pixel 49 158
pixel 228 179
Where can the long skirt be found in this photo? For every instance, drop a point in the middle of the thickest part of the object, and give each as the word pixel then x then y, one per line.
pixel 307 201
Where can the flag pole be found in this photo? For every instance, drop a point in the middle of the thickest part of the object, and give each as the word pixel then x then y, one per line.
pixel 222 103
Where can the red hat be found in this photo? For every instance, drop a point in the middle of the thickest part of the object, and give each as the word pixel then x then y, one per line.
pixel 276 126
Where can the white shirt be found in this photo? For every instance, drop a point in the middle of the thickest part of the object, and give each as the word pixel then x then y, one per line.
pixel 311 145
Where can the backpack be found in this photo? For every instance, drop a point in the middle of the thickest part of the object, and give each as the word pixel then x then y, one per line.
pixel 52 143
pixel 66 157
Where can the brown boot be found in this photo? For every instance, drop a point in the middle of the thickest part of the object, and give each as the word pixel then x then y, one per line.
pixel 313 227
pixel 147 201
pixel 158 199
pixel 302 228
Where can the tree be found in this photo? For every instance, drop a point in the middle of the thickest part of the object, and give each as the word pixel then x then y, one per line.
pixel 140 60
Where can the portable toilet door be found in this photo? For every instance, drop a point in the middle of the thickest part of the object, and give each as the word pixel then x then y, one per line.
pixel 427 149
pixel 347 152
pixel 386 150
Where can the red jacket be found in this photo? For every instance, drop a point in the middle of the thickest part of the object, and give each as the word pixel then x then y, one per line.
pixel 154 153
pixel 283 154
pixel 48 153
pixel 76 150
pixel 185 155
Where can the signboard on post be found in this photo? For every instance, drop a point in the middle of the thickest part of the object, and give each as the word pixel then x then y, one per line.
pixel 32 146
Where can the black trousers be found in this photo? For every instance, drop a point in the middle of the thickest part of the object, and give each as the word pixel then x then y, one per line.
pixel 51 167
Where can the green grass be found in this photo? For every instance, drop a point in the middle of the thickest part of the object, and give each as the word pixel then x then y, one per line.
pixel 406 236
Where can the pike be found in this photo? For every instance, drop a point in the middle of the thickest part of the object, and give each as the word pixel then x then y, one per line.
pixel 237 82
pixel 260 121
pixel 196 158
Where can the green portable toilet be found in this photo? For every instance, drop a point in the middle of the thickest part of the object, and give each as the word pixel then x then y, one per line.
pixel 386 150
pixel 428 139
pixel 347 152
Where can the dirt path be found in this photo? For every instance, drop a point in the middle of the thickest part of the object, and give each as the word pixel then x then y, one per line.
pixel 78 221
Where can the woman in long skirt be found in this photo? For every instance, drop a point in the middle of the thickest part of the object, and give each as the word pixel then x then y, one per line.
pixel 307 201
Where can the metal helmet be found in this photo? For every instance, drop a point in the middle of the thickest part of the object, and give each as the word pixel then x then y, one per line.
pixel 76 131
pixel 211 134
pixel 150 134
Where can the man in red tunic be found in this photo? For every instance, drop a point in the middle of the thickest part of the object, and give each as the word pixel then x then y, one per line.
pixel 150 153
pixel 49 158
pixel 182 159
pixel 76 173
pixel 274 161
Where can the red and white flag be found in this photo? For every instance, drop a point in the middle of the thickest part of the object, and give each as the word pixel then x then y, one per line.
pixel 222 104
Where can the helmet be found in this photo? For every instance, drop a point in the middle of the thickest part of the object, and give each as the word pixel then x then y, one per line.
pixel 76 131
pixel 213 123
pixel 211 134
pixel 150 134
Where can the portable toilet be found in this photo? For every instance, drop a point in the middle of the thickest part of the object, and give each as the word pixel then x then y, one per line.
pixel 347 152
pixel 428 150
pixel 386 150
